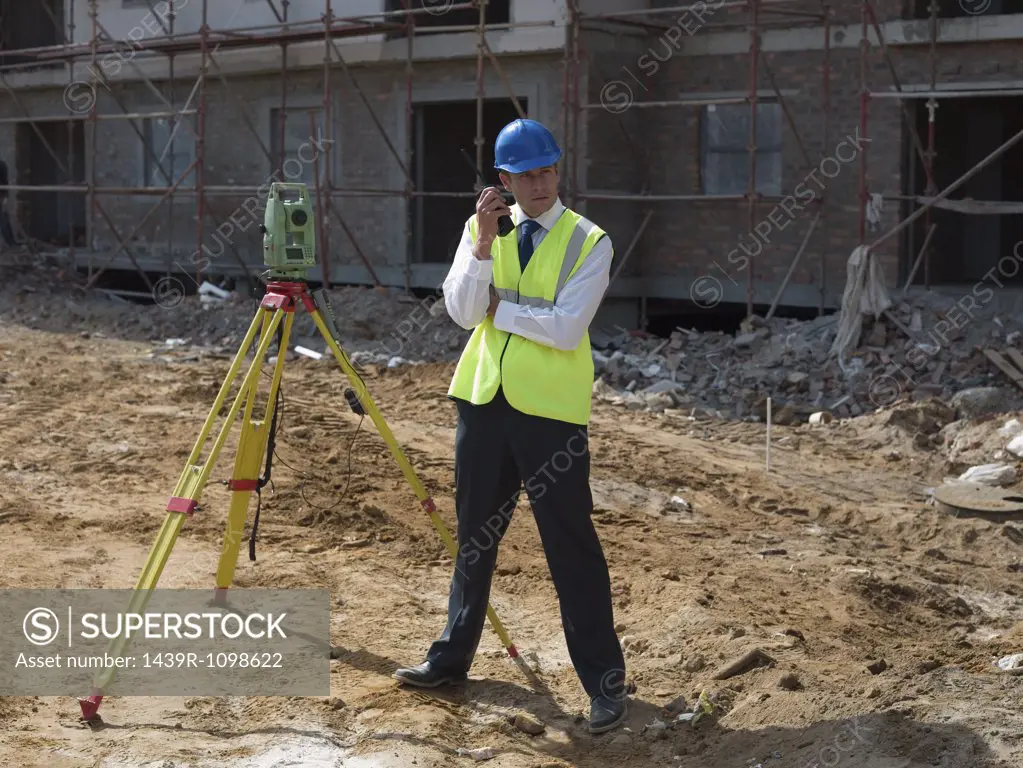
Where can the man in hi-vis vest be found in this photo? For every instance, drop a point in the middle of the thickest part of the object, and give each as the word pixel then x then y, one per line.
pixel 522 389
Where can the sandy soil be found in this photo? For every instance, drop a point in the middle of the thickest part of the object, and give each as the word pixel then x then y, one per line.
pixel 831 563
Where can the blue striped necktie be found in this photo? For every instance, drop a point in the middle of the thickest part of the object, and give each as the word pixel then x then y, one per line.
pixel 526 241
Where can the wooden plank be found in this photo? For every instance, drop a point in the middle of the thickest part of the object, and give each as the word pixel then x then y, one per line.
pixel 1015 356
pixel 1004 367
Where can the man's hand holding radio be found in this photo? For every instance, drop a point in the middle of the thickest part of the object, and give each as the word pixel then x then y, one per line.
pixel 489 208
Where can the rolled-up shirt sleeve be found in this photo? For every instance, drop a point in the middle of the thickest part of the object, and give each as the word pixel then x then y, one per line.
pixel 563 325
pixel 467 285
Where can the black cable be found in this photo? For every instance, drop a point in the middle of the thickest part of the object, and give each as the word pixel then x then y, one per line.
pixel 351 446
pixel 277 424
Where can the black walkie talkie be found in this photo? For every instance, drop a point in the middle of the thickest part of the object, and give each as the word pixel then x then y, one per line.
pixel 504 223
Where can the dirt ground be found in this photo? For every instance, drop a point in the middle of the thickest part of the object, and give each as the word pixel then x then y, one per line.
pixel 831 563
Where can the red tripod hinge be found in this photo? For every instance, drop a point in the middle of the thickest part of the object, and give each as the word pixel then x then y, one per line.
pixel 243 485
pixel 178 504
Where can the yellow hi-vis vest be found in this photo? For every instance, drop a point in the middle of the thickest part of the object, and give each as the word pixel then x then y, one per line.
pixel 536 379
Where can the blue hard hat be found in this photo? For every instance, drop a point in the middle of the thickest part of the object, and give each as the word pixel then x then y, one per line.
pixel 523 145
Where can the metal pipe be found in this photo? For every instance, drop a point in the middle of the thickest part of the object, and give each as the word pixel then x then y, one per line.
pixel 169 253
pixel 632 244
pixel 564 81
pixel 480 31
pixel 786 111
pixel 368 104
pixel 454 28
pixel 933 94
pixel 193 42
pixel 239 105
pixel 68 35
pixel 320 205
pixel 282 113
pixel 409 182
pixel 328 130
pixel 668 198
pixel 138 226
pixel 200 144
pixel 90 224
pixel 864 97
pixel 792 267
pixel 825 200
pixel 504 79
pixel 751 195
pixel 702 7
pixel 576 112
pixel 919 258
pixel 929 162
pixel 914 136
pixel 951 188
pixel 678 103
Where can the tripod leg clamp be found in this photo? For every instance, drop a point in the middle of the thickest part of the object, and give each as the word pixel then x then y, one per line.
pixel 178 504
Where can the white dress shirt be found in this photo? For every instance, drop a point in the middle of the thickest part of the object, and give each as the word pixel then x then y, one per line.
pixel 467 290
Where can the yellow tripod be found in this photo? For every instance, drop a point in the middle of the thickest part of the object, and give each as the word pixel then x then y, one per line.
pixel 276 308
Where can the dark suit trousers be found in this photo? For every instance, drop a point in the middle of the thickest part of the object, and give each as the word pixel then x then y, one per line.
pixel 498 450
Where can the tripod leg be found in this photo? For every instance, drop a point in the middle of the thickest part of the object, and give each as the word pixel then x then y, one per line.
pixel 252 443
pixel 186 496
pixel 413 479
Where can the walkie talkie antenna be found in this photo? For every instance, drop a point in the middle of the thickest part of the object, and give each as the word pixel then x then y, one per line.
pixel 504 223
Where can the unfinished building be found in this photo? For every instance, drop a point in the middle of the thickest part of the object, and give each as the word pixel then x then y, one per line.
pixel 141 134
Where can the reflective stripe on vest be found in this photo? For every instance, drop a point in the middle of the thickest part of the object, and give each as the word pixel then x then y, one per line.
pixel 572 253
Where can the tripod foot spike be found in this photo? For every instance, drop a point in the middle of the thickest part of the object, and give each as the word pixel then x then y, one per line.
pixel 90 705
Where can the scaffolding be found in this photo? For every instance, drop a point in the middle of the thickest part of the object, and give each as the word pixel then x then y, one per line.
pixel 207 42
pixel 763 15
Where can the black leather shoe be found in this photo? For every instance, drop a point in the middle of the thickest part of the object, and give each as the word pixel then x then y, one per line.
pixel 426 675
pixel 607 713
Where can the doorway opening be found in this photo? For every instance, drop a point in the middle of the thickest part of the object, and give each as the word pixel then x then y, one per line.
pixel 966 246
pixel 35 24
pixel 442 131
pixel 51 217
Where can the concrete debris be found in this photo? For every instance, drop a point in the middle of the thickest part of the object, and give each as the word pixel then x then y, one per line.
pixel 1013 428
pixel 1012 664
pixel 691 373
pixel 977 402
pixel 528 724
pixel 751 660
pixel 657 730
pixel 484 753
pixel 994 475
pixel 1015 446
pixel 388 326
pixel 790 361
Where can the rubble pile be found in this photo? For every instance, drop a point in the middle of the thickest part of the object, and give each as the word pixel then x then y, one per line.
pixel 928 346
pixel 375 326
pixel 925 347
